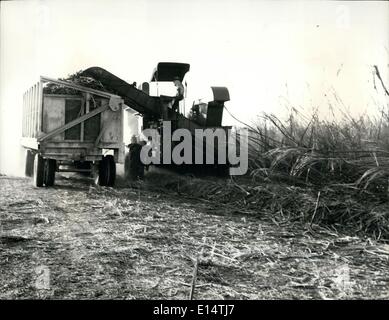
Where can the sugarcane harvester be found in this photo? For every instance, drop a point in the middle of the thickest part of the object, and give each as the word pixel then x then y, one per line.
pixel 82 129
pixel 157 109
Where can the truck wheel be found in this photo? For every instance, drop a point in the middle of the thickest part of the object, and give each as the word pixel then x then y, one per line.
pixel 39 168
pixel 29 168
pixel 50 167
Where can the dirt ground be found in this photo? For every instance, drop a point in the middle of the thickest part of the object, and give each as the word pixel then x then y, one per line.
pixel 76 240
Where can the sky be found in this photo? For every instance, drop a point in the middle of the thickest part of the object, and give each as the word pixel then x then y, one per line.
pixel 270 54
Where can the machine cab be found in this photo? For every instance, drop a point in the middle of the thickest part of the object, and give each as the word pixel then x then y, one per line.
pixel 166 81
pixel 163 78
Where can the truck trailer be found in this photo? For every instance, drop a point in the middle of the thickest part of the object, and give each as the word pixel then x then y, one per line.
pixel 80 132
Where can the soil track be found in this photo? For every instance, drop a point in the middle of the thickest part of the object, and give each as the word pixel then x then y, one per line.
pixel 76 240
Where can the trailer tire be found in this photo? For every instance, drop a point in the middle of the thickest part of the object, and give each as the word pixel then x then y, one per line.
pixel 29 168
pixel 50 167
pixel 39 170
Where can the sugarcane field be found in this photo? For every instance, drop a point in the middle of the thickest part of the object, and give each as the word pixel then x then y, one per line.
pixel 238 151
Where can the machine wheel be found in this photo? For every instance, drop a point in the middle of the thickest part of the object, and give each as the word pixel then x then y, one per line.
pixel 106 172
pixel 39 170
pixel 29 168
pixel 49 172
